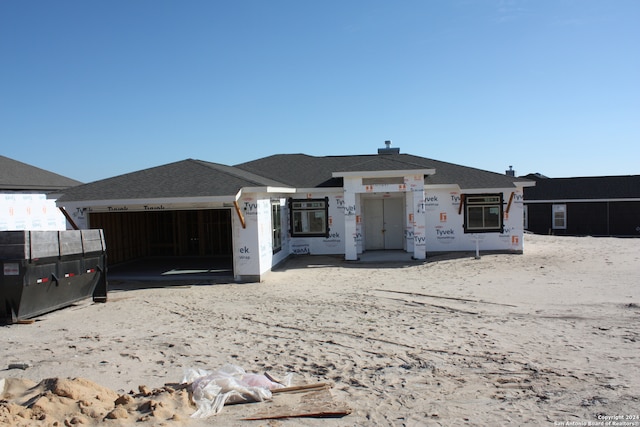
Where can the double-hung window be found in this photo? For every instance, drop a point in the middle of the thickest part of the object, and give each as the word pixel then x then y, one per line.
pixel 483 213
pixel 559 217
pixel 309 217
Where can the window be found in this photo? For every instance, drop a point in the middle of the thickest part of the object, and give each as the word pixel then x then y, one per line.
pixel 525 217
pixel 483 213
pixel 309 217
pixel 276 226
pixel 559 217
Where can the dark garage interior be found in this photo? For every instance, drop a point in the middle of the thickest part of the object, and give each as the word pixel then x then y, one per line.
pixel 167 244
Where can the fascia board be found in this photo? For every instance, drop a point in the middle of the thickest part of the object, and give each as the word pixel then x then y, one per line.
pixel 383 174
pixel 319 190
pixel 143 202
pixel 268 190
pixel 442 187
pixel 529 201
pixel 488 190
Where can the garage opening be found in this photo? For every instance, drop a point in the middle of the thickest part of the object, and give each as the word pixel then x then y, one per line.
pixel 184 238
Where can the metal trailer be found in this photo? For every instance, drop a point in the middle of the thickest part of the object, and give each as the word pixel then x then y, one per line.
pixel 47 270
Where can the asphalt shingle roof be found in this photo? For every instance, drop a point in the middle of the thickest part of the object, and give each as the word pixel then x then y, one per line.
pixel 304 171
pixel 593 187
pixel 18 176
pixel 186 178
pixel 197 178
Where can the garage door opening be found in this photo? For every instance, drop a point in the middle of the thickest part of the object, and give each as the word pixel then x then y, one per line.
pixel 167 243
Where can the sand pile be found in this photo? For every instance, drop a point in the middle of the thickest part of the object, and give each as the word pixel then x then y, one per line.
pixel 77 401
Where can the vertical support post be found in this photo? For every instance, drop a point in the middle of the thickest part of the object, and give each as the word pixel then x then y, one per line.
pixel 419 227
pixel 477 238
pixel 350 226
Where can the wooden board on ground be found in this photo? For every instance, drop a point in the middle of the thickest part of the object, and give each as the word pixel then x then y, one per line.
pixel 317 404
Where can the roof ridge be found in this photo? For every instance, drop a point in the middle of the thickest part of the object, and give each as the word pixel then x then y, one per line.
pixel 391 157
pixel 230 170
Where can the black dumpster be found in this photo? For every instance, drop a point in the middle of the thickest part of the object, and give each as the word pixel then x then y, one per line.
pixel 47 270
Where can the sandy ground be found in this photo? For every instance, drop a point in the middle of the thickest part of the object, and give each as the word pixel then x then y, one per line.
pixel 550 337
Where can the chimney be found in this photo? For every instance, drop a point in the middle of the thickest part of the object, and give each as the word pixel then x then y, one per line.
pixel 388 149
pixel 510 172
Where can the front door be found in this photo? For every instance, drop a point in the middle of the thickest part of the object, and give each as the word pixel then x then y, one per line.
pixel 383 223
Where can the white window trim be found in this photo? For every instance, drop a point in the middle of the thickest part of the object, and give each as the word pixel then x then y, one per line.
pixel 559 209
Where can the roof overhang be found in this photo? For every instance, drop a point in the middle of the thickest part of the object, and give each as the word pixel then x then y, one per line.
pixel 383 174
pixel 525 183
pixel 442 187
pixel 472 190
pixel 23 188
pixel 530 201
pixel 319 190
pixel 267 189
pixel 488 190
pixel 142 205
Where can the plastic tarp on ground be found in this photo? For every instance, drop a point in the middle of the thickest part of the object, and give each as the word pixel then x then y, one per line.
pixel 229 384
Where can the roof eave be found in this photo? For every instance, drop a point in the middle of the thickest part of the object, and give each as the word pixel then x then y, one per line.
pixel 383 173
pixel 441 186
pixel 146 204
pixel 479 190
pixel 39 188
pixel 268 189
pixel 583 200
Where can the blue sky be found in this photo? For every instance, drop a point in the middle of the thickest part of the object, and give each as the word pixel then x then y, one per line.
pixel 94 89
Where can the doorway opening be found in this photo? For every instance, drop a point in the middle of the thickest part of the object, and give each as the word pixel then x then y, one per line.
pixel 383 223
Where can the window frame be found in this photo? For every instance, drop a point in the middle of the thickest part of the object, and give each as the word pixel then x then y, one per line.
pixel 309 206
pixel 557 208
pixel 276 227
pixel 492 201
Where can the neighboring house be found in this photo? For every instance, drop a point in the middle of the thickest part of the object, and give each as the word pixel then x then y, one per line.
pixel 260 212
pixel 26 197
pixel 594 206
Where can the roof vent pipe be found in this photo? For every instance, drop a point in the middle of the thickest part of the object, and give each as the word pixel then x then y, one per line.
pixel 388 149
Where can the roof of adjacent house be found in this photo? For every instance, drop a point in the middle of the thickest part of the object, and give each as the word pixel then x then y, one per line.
pixel 186 178
pixel 304 171
pixel 18 176
pixel 196 178
pixel 583 188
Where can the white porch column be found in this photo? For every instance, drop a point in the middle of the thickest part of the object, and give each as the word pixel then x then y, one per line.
pixel 419 225
pixel 350 225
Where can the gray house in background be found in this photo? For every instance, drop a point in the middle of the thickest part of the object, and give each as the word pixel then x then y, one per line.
pixel 21 177
pixel 27 197
pixel 593 206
